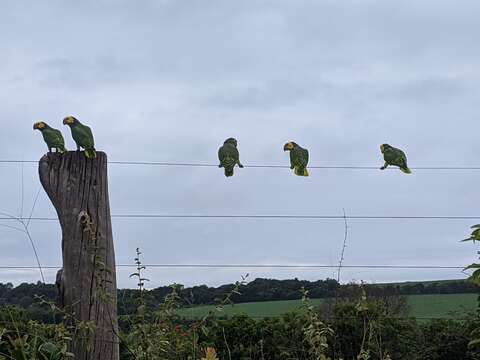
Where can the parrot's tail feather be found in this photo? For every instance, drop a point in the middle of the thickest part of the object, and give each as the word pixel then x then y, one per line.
pixel 90 154
pixel 301 171
pixel 228 163
pixel 406 170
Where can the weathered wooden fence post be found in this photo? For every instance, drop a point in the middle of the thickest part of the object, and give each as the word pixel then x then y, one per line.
pixel 78 189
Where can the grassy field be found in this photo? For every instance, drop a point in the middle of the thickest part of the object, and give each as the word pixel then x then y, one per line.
pixel 423 306
pixel 451 305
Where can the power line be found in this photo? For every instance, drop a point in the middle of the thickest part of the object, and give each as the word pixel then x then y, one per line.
pixel 293 217
pixel 260 266
pixel 191 164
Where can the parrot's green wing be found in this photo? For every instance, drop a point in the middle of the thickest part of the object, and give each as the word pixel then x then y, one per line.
pixel 305 157
pixel 91 140
pixel 397 157
pixel 402 161
pixel 401 157
pixel 59 140
pixel 83 136
pixel 222 154
pixel 54 139
pixel 299 160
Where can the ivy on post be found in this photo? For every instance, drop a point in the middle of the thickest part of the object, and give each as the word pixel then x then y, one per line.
pixel 78 189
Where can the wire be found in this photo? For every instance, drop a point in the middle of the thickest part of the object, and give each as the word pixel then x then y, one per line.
pixel 304 217
pixel 259 266
pixel 188 164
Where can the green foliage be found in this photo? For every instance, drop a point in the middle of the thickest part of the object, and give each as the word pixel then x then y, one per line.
pixel 164 335
pixel 26 340
pixel 316 331
pixel 447 339
pixel 475 279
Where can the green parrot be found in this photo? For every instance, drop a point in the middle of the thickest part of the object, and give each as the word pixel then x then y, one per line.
pixel 52 137
pixel 298 158
pixel 229 156
pixel 82 135
pixel 394 156
pixel 475 234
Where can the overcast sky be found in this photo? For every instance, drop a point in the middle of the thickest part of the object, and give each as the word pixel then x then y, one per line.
pixel 171 80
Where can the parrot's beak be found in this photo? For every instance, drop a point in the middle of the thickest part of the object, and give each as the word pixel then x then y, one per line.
pixel 68 120
pixel 382 148
pixel 38 126
pixel 288 146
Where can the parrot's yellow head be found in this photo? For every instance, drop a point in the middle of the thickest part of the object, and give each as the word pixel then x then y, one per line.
pixel 69 120
pixel 39 125
pixel 289 146
pixel 384 147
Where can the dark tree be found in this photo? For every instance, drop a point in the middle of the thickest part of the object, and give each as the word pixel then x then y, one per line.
pixel 78 189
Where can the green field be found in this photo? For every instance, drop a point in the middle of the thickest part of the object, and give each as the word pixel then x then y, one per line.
pixel 423 306
pixel 451 305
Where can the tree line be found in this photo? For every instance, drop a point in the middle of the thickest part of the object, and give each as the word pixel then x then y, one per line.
pixel 26 295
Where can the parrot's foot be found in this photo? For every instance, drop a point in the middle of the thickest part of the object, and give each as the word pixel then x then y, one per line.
pixel 383 168
pixel 240 165
pixel 220 165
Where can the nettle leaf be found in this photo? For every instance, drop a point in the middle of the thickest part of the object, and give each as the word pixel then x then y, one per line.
pixel 474 343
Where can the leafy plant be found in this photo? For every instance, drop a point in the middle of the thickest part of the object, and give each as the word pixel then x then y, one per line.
pixel 316 331
pixel 475 278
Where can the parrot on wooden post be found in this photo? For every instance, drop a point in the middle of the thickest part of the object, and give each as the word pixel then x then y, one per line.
pixel 82 135
pixel 53 137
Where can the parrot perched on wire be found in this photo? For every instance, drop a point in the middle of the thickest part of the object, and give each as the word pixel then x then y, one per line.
pixel 394 156
pixel 298 158
pixel 475 236
pixel 229 156
pixel 82 135
pixel 52 137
